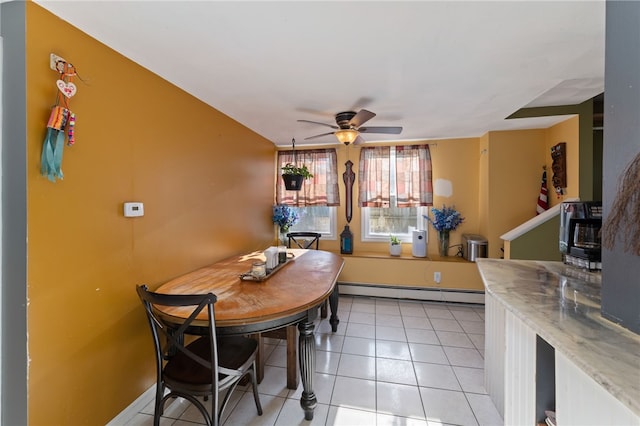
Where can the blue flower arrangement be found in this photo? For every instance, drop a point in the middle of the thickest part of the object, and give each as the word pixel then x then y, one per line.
pixel 445 219
pixel 285 217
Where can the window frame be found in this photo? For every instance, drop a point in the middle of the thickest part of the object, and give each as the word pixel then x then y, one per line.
pixel 365 217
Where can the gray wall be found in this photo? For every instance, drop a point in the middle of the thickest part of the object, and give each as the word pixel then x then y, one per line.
pixel 620 270
pixel 14 215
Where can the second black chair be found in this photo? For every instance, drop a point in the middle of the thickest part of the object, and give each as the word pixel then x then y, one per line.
pixel 304 240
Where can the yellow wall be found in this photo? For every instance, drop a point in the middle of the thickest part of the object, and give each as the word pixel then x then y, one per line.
pixel 514 171
pixel 407 271
pixel 483 187
pixel 495 182
pixel 207 187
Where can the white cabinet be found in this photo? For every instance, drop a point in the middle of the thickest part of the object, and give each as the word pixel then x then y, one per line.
pixel 520 372
pixel 581 401
pixel 511 378
pixel 547 347
pixel 494 351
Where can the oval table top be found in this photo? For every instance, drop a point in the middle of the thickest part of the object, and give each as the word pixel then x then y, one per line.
pixel 301 284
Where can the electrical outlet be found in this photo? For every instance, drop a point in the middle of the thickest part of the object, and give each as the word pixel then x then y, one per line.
pixel 437 277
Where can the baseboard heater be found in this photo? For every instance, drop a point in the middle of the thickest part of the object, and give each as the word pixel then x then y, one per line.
pixel 413 293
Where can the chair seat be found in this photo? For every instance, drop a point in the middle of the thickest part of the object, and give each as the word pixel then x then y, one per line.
pixel 232 353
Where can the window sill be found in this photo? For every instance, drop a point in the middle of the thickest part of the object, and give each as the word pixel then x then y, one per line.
pixel 380 255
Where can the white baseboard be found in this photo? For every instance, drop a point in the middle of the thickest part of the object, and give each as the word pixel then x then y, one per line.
pixel 134 408
pixel 413 293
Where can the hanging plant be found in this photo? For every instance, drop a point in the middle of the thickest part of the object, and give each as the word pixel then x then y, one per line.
pixel 292 175
pixel 291 169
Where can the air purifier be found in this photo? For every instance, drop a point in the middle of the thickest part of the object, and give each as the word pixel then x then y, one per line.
pixel 419 244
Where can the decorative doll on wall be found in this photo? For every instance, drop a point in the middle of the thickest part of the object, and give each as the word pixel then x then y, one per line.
pixel 61 120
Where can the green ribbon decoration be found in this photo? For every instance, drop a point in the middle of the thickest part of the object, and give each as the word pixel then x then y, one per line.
pixel 51 161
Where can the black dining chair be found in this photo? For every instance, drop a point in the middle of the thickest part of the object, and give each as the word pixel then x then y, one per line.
pixel 304 240
pixel 191 360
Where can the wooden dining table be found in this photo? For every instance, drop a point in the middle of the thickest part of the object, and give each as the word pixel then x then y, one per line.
pixel 289 296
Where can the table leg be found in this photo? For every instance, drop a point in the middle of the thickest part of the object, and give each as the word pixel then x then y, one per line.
pixel 292 366
pixel 333 303
pixel 307 357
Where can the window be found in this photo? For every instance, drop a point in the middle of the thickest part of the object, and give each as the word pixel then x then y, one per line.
pixel 395 191
pixel 318 199
pixel 379 222
pixel 320 219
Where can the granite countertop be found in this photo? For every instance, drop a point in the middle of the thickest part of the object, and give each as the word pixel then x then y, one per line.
pixel 562 305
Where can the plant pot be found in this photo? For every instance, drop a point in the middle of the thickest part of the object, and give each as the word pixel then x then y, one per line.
pixel 395 249
pixel 293 182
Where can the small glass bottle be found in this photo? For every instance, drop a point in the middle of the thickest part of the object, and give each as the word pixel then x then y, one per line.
pixel 282 254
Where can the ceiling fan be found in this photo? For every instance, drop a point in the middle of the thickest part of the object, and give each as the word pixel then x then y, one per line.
pixel 349 124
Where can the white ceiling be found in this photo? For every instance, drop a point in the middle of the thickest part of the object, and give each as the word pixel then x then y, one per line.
pixel 440 69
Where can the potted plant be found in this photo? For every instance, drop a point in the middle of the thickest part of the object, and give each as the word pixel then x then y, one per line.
pixel 444 220
pixel 293 176
pixel 395 249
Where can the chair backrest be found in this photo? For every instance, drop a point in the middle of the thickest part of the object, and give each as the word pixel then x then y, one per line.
pixel 304 240
pixel 168 336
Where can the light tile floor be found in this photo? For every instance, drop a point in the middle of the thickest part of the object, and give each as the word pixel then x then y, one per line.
pixel 392 362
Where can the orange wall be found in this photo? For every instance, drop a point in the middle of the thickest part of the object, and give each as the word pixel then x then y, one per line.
pixel 515 169
pixel 207 187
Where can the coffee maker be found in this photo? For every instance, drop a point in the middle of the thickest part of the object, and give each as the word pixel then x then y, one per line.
pixel 580 223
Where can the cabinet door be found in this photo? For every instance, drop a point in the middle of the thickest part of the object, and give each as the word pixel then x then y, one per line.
pixel 580 401
pixel 520 372
pixel 494 351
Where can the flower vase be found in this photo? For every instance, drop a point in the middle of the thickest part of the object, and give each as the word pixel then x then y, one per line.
pixel 284 240
pixel 443 243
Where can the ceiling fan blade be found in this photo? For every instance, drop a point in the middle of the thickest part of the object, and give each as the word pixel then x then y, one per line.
pixel 317 122
pixel 319 136
pixel 387 130
pixel 358 140
pixel 361 117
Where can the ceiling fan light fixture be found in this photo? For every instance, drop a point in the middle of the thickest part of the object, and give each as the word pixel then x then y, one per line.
pixel 346 136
